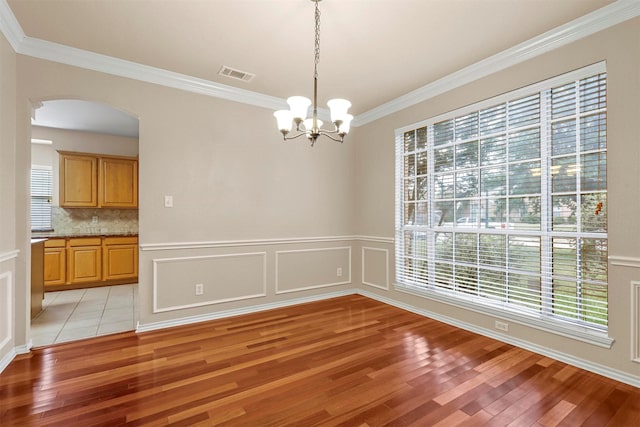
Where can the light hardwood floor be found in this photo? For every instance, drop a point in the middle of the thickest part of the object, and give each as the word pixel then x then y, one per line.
pixel 345 361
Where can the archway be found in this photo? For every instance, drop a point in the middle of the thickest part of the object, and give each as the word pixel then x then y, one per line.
pixel 79 304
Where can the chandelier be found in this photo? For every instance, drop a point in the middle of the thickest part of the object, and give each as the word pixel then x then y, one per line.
pixel 299 105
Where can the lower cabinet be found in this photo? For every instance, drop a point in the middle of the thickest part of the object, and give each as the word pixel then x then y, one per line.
pixel 120 258
pixel 78 262
pixel 84 260
pixel 55 262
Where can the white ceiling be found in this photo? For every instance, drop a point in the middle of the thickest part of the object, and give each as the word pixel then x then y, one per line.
pixel 85 116
pixel 372 51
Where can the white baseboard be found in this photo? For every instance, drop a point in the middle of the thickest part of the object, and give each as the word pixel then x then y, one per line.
pixel 8 358
pixel 239 311
pixel 605 371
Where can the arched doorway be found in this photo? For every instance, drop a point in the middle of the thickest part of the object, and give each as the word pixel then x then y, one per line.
pixel 82 296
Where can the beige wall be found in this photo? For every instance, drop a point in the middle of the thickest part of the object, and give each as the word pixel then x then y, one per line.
pixel 8 315
pixel 245 200
pixel 237 190
pixel 620 47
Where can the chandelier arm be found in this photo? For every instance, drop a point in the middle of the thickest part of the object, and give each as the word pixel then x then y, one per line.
pixel 287 138
pixel 328 135
pixel 321 132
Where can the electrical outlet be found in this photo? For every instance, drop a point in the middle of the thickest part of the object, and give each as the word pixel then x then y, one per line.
pixel 168 201
pixel 339 272
pixel 199 289
pixel 502 326
pixel 94 219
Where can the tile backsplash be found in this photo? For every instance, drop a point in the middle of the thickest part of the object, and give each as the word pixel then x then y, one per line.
pixel 80 221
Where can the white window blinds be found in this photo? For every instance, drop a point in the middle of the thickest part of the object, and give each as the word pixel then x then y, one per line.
pixel 41 195
pixel 503 204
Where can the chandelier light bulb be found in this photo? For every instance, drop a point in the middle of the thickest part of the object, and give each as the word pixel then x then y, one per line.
pixel 345 126
pixel 299 106
pixel 338 108
pixel 284 118
pixel 308 124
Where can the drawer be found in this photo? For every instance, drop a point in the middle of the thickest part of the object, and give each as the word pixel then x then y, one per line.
pixel 85 241
pixel 121 240
pixel 55 243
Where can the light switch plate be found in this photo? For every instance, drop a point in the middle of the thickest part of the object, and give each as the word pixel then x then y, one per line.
pixel 168 201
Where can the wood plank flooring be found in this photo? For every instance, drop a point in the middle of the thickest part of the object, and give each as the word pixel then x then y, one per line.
pixel 347 361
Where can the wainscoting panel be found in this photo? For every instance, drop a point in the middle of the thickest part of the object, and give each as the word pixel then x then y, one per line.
pixel 375 267
pixel 635 321
pixel 224 278
pixel 6 309
pixel 298 270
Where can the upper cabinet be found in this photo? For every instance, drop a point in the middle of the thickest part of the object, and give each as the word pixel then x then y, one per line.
pixel 78 180
pixel 118 183
pixel 90 180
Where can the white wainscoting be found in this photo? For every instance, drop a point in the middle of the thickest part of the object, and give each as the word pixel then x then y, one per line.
pixel 224 278
pixel 635 321
pixel 623 261
pixel 253 242
pixel 303 269
pixel 6 256
pixel 375 267
pixel 6 311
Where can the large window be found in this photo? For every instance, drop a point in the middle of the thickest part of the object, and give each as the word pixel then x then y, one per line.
pixel 502 205
pixel 41 194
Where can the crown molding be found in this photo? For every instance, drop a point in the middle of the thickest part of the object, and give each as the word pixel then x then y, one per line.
pixel 67 55
pixel 577 29
pixel 584 26
pixel 10 27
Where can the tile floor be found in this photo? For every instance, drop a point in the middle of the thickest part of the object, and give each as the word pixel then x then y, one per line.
pixel 84 313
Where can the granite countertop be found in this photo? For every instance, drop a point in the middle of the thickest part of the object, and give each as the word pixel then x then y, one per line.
pixel 53 234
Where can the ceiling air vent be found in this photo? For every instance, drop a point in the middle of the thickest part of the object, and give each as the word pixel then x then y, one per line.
pixel 236 74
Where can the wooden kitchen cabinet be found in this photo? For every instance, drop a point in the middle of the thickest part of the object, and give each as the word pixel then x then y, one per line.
pixel 78 180
pixel 81 262
pixel 90 180
pixel 118 182
pixel 55 262
pixel 84 261
pixel 120 258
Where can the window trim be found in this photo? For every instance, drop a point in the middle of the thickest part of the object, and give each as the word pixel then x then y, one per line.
pixel 468 302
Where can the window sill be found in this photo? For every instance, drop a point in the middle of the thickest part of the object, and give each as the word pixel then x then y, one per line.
pixel 568 331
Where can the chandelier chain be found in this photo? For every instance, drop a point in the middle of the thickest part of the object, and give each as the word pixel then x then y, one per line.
pixel 317 44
